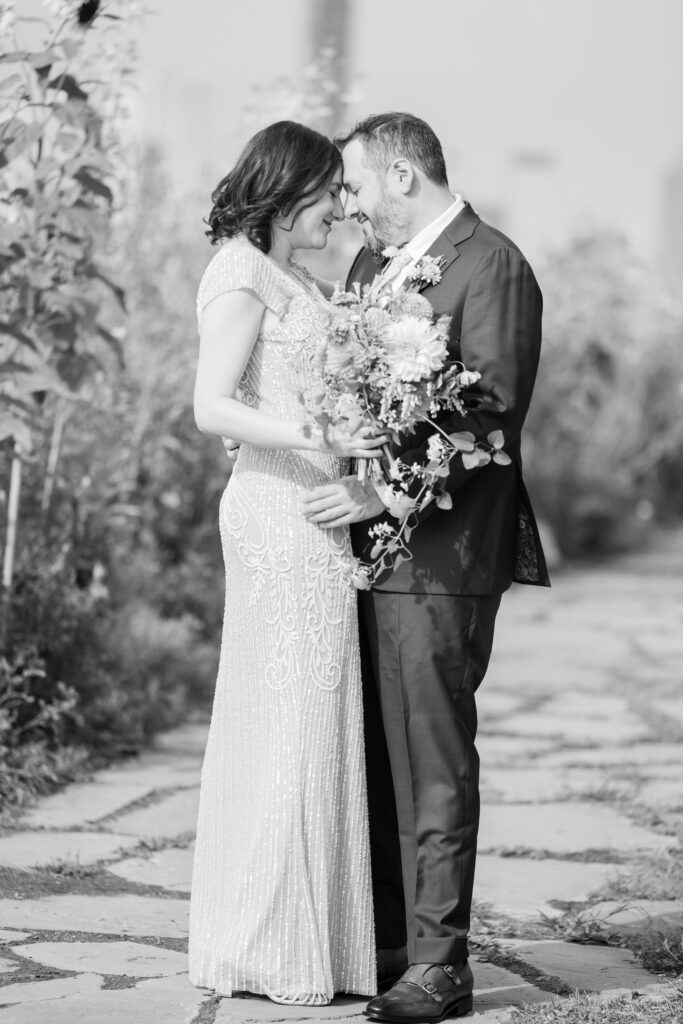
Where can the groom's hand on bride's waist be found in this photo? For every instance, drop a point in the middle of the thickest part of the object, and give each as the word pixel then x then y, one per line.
pixel 231 448
pixel 342 502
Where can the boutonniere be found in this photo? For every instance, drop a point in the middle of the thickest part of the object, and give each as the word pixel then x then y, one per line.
pixel 426 271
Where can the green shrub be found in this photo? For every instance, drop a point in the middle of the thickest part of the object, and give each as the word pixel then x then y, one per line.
pixel 90 672
pixel 35 719
pixel 604 429
pixel 163 671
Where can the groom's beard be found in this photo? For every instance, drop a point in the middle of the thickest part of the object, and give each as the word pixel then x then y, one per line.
pixel 389 224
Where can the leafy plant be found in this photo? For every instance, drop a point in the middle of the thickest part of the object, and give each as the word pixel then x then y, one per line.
pixel 35 718
pixel 611 370
pixel 58 174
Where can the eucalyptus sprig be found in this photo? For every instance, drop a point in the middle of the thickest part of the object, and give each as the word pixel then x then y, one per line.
pixel 409 489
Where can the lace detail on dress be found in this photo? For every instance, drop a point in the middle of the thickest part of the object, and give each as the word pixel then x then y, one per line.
pixel 242 520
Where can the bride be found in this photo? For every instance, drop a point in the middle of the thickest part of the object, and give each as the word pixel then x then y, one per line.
pixel 281 902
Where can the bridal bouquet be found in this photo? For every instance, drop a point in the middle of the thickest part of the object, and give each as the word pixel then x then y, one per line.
pixel 384 363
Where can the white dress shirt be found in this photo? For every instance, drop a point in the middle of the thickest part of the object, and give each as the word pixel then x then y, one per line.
pixel 422 242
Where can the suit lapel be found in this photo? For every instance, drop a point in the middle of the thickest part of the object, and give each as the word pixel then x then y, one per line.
pixel 446 245
pixel 365 267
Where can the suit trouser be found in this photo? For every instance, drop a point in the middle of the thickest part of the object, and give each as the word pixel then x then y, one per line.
pixel 424 656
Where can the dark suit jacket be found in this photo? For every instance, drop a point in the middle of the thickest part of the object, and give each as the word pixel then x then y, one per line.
pixel 489 537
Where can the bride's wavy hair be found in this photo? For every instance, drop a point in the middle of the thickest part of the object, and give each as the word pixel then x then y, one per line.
pixel 283 165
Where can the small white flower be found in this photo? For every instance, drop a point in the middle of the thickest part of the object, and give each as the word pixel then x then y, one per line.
pixel 435 448
pixel 360 576
pixel 467 377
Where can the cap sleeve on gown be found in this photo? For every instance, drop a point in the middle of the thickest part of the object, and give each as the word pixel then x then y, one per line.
pixel 239 265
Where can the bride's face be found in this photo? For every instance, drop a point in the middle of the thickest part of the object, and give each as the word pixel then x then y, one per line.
pixel 312 224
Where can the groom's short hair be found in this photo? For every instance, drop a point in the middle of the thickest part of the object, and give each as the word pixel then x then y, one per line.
pixel 388 136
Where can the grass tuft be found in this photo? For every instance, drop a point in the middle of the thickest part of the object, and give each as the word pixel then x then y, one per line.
pixel 70 868
pixel 664 1006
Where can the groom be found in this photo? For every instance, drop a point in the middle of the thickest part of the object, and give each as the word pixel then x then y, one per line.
pixel 427 628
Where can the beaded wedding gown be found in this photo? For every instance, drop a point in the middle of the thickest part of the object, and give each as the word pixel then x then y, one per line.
pixel 281 897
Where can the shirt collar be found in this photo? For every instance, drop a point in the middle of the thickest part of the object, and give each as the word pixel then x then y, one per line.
pixel 424 239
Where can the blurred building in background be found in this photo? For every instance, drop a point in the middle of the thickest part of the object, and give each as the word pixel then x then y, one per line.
pixel 536 115
pixel 330 22
pixel 532 195
pixel 671 226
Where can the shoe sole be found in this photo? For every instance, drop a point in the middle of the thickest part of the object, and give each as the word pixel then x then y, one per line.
pixel 458 1009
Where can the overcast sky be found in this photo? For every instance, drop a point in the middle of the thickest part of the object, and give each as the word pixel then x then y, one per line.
pixel 595 84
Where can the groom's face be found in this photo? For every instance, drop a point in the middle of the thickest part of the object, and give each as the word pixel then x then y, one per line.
pixel 371 201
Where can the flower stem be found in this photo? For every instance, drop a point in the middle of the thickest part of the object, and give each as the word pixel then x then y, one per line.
pixel 425 419
pixel 389 455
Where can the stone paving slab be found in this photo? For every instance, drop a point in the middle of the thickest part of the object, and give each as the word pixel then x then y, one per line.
pixel 657 771
pixel 574 728
pixel 661 644
pixel 12 936
pixel 124 914
pixel 551 671
pixel 523 888
pixel 564 828
pixel 673 707
pixel 170 868
pixel 244 1010
pixel 186 739
pixel 154 770
pixel 122 1006
pixel 663 794
pixel 37 849
pixel 132 959
pixel 500 1016
pixel 583 967
pixel 82 803
pixel 495 750
pixel 53 988
pixel 533 785
pixel 491 703
pixel 583 652
pixel 604 706
pixel 645 754
pixel 496 988
pixel 170 817
pixel 7 966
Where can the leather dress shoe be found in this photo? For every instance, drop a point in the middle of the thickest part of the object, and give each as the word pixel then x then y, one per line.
pixel 425 993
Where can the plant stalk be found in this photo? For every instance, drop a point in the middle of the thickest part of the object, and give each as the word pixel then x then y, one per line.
pixel 10 542
pixel 53 460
